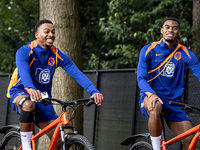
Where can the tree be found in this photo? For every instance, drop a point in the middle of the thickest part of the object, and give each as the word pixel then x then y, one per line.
pixel 119 28
pixel 131 24
pixel 92 40
pixel 196 23
pixel 66 18
pixel 17 21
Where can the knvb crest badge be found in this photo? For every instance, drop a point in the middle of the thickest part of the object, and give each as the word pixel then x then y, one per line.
pixel 43 75
pixel 169 70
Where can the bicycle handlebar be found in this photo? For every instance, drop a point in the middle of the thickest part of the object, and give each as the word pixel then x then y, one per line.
pixel 177 103
pixel 86 101
pixel 186 107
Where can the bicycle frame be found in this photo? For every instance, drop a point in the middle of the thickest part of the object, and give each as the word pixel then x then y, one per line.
pixel 59 122
pixel 194 130
pixel 193 143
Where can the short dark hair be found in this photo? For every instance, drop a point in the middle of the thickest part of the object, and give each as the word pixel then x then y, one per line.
pixel 172 18
pixel 40 23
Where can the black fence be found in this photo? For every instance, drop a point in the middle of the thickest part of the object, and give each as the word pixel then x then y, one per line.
pixel 119 116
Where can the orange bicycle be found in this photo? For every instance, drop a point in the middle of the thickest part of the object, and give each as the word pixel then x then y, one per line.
pixel 12 141
pixel 145 144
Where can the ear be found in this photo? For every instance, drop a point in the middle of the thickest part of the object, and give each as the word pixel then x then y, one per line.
pixel 161 30
pixel 36 35
pixel 179 33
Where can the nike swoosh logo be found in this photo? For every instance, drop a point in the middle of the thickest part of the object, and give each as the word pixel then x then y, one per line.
pixel 158 54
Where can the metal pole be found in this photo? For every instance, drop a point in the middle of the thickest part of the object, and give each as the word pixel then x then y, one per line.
pixel 134 104
pixel 184 101
pixel 7 107
pixel 95 109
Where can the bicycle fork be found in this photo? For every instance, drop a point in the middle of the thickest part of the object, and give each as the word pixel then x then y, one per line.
pixel 65 136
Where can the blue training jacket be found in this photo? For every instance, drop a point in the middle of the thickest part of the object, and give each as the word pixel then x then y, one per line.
pixel 170 84
pixel 40 74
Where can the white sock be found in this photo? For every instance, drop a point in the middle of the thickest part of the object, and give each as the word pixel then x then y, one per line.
pixel 26 140
pixel 155 141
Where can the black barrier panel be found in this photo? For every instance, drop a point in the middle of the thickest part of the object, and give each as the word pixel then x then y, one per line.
pixel 192 97
pixel 111 127
pixel 4 80
pixel 13 117
pixel 8 116
pixel 115 116
pixel 89 111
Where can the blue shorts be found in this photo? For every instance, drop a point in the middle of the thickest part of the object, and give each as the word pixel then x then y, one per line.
pixel 43 113
pixel 176 114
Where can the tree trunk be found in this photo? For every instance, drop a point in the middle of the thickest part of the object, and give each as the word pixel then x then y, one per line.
pixel 66 19
pixel 196 22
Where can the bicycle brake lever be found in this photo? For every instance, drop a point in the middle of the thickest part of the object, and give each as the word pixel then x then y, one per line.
pixel 45 102
pixel 75 103
pixel 90 102
pixel 187 109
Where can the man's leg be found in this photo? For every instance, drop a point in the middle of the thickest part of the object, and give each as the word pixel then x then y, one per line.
pixel 155 125
pixel 42 125
pixel 180 127
pixel 26 108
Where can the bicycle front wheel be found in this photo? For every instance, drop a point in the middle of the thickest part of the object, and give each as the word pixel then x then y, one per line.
pixel 11 141
pixel 141 145
pixel 78 142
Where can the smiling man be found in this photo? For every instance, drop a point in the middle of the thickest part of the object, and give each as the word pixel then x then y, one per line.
pixel 161 71
pixel 36 63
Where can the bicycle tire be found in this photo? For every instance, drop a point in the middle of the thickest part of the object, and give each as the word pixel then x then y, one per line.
pixel 79 142
pixel 11 141
pixel 141 145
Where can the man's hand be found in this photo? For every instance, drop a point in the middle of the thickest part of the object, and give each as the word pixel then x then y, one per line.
pixel 98 98
pixel 36 95
pixel 151 101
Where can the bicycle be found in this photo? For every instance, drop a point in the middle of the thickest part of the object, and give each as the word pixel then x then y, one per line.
pixel 145 145
pixel 12 139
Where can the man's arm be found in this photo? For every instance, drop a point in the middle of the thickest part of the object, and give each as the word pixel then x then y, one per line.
pixel 142 77
pixel 69 66
pixel 193 63
pixel 22 63
pixel 142 73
